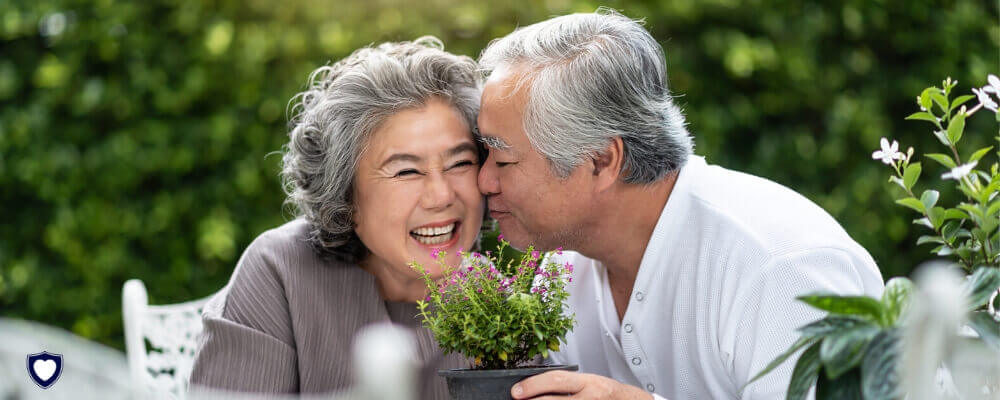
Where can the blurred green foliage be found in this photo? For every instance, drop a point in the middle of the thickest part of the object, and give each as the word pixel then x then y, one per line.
pixel 136 137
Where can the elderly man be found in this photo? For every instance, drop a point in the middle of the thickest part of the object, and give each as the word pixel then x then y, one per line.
pixel 685 273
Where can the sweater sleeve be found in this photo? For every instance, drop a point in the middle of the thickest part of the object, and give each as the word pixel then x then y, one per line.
pixel 764 321
pixel 247 344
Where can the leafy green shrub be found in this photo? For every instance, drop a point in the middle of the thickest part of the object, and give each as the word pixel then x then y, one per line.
pixel 853 352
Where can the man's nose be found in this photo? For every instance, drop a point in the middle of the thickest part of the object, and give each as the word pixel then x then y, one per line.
pixel 489 184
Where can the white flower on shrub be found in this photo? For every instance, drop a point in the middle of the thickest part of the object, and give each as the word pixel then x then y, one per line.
pixel 983 94
pixel 960 171
pixel 889 153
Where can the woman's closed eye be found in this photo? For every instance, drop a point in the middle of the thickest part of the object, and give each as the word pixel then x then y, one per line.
pixel 462 164
pixel 406 172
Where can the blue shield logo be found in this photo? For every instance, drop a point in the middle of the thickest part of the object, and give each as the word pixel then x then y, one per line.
pixel 45 368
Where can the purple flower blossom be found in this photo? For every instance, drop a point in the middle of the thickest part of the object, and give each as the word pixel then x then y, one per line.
pixel 535 254
pixel 559 250
pixel 500 237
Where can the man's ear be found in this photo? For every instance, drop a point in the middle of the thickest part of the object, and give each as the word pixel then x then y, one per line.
pixel 608 163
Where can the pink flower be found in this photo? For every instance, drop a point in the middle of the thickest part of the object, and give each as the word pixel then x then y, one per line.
pixel 500 237
pixel 535 254
pixel 559 250
pixel 569 267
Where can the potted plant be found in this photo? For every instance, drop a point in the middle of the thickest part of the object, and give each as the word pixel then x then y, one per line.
pixel 854 351
pixel 499 313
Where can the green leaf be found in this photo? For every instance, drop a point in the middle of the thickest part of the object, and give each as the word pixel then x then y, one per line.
pixel 981 285
pixel 879 368
pixel 973 211
pixel 929 198
pixel 950 230
pixel 994 208
pixel 942 137
pixel 805 373
pixel 987 328
pixel 943 251
pixel 954 213
pixel 911 175
pixel 936 215
pixel 798 345
pixel 863 306
pixel 942 159
pixel 842 351
pixel 958 101
pixel 844 387
pixel 923 221
pixel 925 98
pixel 896 180
pixel 923 116
pixel 939 98
pixel 896 298
pixel 979 154
pixel 831 325
pixel 929 239
pixel 955 128
pixel 912 203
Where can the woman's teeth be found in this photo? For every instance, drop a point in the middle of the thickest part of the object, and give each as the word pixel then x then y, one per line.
pixel 435 235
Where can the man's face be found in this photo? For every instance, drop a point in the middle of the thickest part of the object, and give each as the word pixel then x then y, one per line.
pixel 532 205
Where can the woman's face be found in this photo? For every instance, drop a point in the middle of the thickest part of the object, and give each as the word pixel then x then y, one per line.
pixel 415 190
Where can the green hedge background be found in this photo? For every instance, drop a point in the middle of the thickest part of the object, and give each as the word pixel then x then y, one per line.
pixel 136 137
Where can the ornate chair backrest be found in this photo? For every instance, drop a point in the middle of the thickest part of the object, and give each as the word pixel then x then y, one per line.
pixel 160 342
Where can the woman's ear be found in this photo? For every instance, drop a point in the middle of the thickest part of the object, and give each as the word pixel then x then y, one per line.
pixel 607 165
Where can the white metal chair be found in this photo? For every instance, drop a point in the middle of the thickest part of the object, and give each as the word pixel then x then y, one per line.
pixel 160 342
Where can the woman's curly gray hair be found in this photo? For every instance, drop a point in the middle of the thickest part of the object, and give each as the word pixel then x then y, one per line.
pixel 343 105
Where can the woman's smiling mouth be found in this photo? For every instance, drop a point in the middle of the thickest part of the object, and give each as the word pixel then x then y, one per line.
pixel 435 235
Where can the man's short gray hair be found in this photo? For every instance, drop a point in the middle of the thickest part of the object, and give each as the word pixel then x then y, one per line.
pixel 594 77
pixel 343 105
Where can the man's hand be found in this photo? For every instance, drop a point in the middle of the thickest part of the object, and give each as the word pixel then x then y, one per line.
pixel 555 385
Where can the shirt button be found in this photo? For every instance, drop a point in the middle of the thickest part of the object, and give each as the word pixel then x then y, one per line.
pixel 639 296
pixel 628 328
pixel 650 387
pixel 636 361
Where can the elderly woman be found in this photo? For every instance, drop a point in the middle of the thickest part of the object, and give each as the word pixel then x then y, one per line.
pixel 381 167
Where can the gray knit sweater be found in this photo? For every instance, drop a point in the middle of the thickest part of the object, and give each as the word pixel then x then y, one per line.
pixel 286 321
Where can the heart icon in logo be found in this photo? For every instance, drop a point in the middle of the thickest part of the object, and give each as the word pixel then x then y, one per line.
pixel 44 368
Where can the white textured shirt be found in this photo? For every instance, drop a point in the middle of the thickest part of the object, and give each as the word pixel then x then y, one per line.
pixel 714 299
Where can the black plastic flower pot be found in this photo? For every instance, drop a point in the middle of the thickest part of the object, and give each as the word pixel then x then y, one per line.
pixel 490 384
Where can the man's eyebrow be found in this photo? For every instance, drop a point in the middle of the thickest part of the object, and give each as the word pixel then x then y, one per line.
pixel 494 142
